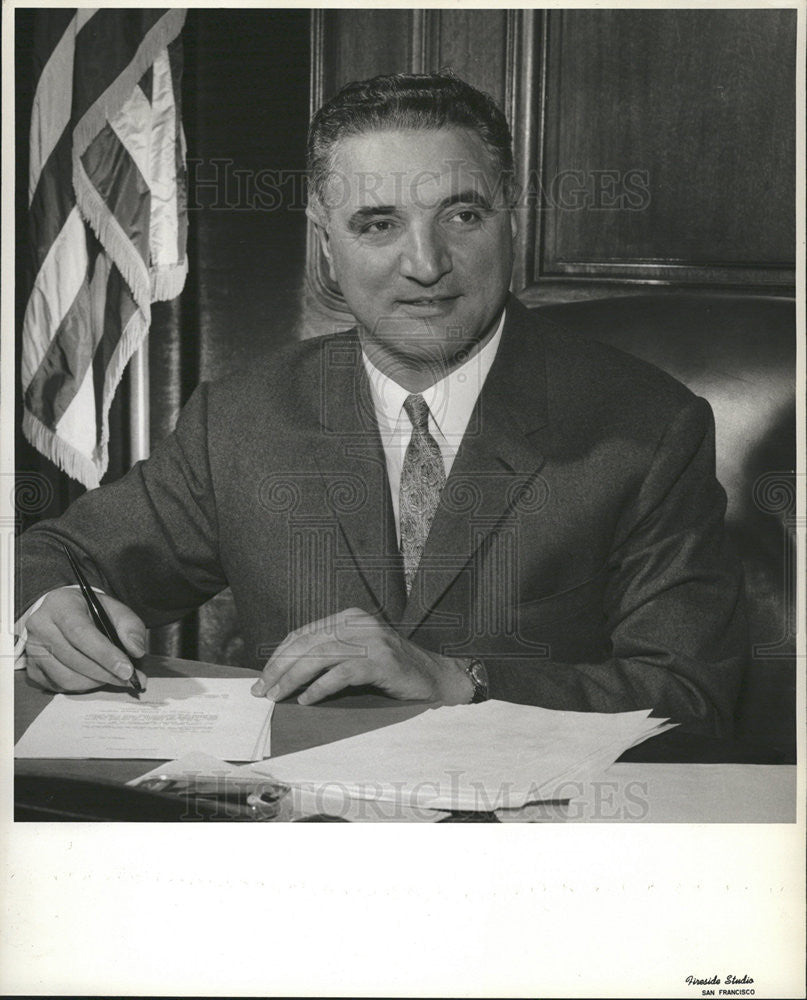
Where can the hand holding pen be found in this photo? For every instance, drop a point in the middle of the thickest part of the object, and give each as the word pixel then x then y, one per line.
pixel 99 616
pixel 73 646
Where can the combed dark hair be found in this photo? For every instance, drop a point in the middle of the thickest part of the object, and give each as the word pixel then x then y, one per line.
pixel 406 101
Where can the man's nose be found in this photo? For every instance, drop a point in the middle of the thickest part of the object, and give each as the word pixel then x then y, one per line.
pixel 424 256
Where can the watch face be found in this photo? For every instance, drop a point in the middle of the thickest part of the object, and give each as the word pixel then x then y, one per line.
pixel 477 674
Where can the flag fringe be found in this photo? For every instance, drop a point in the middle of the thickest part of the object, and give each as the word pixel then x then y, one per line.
pixel 77 465
pixel 130 340
pixel 168 282
pixel 71 461
pixel 112 238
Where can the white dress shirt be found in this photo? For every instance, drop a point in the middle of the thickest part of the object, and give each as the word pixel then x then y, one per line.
pixel 451 401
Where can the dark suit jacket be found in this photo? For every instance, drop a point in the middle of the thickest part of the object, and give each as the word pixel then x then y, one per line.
pixel 578 549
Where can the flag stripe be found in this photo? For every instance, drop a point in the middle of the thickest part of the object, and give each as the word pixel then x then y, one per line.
pixel 145 83
pixel 163 230
pixel 133 126
pixel 145 285
pixel 176 60
pixel 103 305
pixel 77 427
pixel 101 61
pixel 119 309
pixel 65 363
pixel 56 287
pixel 48 32
pixel 114 175
pixel 53 200
pixel 83 14
pixel 53 104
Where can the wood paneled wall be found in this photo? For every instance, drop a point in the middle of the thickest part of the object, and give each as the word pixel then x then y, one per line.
pixel 675 130
pixel 652 146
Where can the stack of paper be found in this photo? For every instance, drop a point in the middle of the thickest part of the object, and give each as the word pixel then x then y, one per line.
pixel 470 757
pixel 173 717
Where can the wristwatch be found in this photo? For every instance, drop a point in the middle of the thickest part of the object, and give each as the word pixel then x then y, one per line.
pixel 475 669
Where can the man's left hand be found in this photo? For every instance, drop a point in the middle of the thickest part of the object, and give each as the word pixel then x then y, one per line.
pixel 355 648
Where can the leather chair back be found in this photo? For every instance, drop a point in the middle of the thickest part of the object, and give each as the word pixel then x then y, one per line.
pixel 738 352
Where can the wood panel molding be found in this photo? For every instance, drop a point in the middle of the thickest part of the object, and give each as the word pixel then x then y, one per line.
pixel 525 110
pixel 568 129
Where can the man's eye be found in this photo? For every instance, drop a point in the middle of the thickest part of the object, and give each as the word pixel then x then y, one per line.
pixel 466 217
pixel 379 227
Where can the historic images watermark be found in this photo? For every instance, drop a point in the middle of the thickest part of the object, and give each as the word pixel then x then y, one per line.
pixel 775 493
pixel 228 797
pixel 220 184
pixel 30 494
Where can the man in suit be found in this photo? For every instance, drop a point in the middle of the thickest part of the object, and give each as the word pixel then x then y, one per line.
pixel 453 501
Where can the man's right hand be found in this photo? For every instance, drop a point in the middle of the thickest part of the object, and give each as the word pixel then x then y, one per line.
pixel 66 652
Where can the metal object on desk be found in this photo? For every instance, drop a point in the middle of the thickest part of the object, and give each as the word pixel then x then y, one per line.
pixel 223 797
pixel 53 798
pixel 46 797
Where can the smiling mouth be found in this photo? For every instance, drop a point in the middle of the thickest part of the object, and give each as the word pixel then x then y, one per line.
pixel 429 300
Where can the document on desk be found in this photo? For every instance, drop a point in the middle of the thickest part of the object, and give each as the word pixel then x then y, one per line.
pixel 173 717
pixel 484 757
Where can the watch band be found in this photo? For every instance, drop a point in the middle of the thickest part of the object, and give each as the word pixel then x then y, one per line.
pixel 479 678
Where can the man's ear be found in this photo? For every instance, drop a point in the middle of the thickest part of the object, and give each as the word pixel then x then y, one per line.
pixel 317 214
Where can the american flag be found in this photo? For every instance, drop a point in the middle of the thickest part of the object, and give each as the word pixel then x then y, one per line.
pixel 108 214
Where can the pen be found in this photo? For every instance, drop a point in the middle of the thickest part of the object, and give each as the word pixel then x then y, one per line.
pixel 99 616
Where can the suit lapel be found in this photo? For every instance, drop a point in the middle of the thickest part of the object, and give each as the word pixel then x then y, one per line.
pixel 350 458
pixel 497 462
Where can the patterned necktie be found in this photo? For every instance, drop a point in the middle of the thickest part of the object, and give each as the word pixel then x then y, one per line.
pixel 422 478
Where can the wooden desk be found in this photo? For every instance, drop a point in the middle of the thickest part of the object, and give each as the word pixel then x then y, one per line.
pixel 707 782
